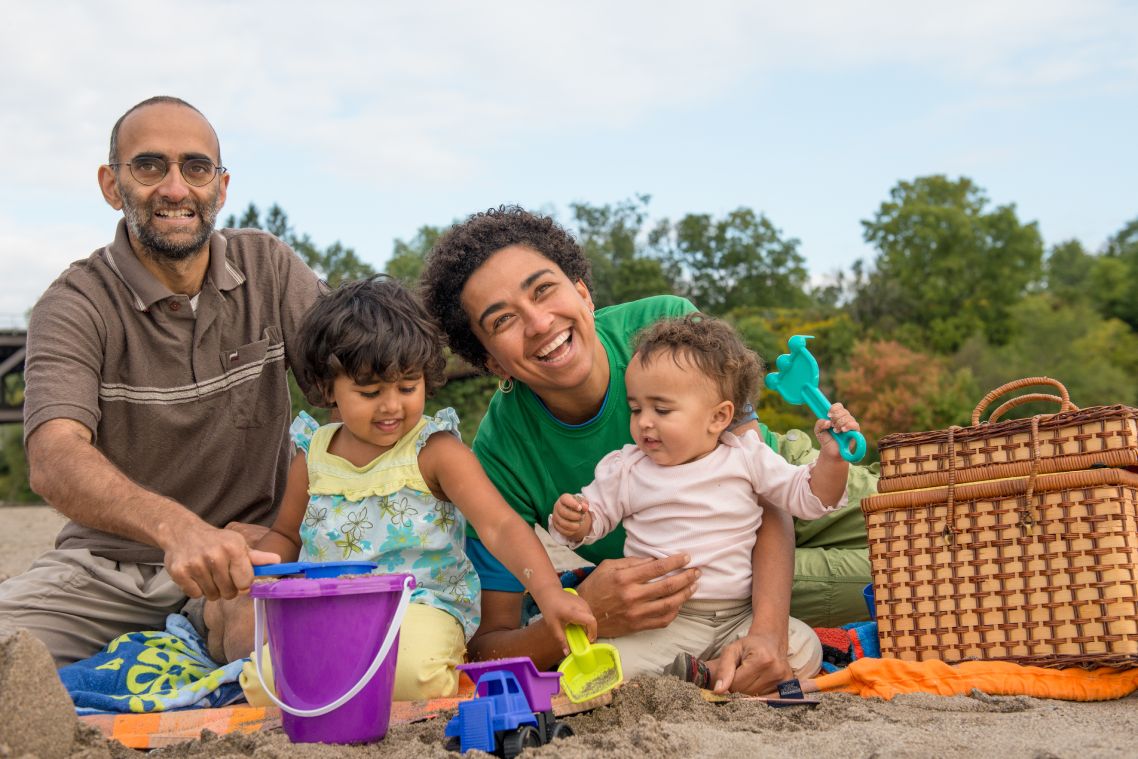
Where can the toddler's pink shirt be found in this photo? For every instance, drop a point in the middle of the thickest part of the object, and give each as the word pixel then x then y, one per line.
pixel 709 508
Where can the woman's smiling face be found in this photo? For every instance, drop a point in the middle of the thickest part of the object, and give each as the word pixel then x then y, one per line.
pixel 536 325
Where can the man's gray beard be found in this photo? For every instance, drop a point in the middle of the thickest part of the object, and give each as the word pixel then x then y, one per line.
pixel 160 248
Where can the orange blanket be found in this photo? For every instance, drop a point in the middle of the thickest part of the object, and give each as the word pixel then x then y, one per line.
pixel 885 678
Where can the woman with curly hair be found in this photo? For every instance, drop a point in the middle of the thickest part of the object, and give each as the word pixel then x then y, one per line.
pixel 511 291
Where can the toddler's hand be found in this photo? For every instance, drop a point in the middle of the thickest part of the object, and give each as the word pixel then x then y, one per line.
pixel 840 420
pixel 559 608
pixel 571 517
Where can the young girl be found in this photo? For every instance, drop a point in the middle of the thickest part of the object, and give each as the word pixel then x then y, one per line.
pixel 690 485
pixel 393 486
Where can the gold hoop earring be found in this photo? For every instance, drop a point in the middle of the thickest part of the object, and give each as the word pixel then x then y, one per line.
pixel 506 386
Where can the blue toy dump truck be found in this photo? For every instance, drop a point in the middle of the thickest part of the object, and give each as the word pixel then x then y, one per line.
pixel 511 712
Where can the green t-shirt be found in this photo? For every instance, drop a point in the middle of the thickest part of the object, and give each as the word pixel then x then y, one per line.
pixel 532 458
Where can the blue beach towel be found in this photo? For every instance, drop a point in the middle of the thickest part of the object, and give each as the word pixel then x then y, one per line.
pixel 152 672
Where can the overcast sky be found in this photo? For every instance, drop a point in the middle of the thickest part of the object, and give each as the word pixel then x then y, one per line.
pixel 365 121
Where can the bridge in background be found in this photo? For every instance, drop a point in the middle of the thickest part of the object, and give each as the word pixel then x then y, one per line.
pixel 13 348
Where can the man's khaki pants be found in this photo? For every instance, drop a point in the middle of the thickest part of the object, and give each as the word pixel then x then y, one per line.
pixel 76 603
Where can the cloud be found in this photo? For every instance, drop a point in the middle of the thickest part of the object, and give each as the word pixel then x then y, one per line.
pixel 410 92
pixel 376 97
pixel 31 260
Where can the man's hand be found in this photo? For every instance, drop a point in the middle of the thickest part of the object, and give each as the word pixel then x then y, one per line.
pixel 211 562
pixel 754 665
pixel 251 532
pixel 624 598
pixel 571 517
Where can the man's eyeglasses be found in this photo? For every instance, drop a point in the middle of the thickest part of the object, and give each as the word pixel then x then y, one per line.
pixel 149 170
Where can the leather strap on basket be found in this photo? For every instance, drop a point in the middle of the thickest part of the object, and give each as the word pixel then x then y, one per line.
pixel 1063 399
pixel 949 531
pixel 1026 519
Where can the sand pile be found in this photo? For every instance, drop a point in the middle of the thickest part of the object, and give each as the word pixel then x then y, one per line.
pixel 36 714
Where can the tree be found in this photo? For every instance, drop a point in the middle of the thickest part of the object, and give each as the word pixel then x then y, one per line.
pixel 612 237
pixel 1095 358
pixel 335 264
pixel 406 262
pixel 894 389
pixel 737 261
pixel 947 265
pixel 1114 280
pixel 1068 272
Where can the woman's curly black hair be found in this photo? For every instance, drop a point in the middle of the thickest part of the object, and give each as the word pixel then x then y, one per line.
pixel 369 329
pixel 466 246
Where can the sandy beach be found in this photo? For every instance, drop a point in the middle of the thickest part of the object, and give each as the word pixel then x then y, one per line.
pixel 648 718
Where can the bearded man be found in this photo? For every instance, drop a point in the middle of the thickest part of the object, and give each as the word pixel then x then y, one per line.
pixel 156 406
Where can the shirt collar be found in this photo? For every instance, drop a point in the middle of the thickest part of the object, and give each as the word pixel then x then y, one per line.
pixel 145 287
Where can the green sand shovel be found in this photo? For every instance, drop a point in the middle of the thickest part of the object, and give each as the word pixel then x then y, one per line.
pixel 591 669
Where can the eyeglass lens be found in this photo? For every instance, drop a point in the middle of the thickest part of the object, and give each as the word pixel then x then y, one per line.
pixel 196 171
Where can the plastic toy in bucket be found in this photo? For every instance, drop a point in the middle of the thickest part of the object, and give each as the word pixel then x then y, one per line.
pixel 334 642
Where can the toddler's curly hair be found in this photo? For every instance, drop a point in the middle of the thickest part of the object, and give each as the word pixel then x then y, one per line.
pixel 713 347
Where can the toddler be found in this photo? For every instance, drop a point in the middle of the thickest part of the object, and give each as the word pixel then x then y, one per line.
pixel 392 486
pixel 688 484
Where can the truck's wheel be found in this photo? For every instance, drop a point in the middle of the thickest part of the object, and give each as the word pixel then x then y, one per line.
pixel 518 741
pixel 560 730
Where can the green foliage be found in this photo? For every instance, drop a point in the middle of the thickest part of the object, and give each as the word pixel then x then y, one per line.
pixel 737 261
pixel 335 264
pixel 14 466
pixel 891 388
pixel 1114 280
pixel 1095 358
pixel 407 258
pixel 612 238
pixel 947 266
pixel 1068 272
pixel 953 276
pixel 468 396
pixel 14 485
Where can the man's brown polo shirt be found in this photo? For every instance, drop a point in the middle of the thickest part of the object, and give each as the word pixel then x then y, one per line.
pixel 192 404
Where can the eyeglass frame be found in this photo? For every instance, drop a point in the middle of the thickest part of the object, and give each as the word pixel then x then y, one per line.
pixel 218 169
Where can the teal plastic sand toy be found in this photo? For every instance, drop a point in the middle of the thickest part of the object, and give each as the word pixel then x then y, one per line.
pixel 797 382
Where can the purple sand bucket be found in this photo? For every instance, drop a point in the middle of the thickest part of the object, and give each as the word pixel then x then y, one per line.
pixel 334 643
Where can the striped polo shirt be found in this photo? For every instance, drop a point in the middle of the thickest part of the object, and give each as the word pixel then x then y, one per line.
pixel 189 400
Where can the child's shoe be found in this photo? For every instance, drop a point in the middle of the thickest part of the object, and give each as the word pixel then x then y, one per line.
pixel 690 669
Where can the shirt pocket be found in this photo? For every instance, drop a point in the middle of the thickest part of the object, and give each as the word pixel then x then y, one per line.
pixel 256 378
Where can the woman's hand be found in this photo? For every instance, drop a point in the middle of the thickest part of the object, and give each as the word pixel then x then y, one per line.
pixel 571 517
pixel 559 608
pixel 628 595
pixel 754 665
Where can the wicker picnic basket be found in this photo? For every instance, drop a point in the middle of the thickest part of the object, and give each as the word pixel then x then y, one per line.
pixel 1069 440
pixel 1012 557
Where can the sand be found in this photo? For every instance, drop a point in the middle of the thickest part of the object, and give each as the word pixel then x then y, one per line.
pixel 649 718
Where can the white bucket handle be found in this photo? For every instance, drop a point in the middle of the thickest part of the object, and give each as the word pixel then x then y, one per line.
pixel 392 631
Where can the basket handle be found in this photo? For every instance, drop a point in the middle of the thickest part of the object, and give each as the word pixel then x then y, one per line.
pixel 1063 399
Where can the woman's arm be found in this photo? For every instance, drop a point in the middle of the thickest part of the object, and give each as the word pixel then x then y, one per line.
pixel 756 663
pixel 625 595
